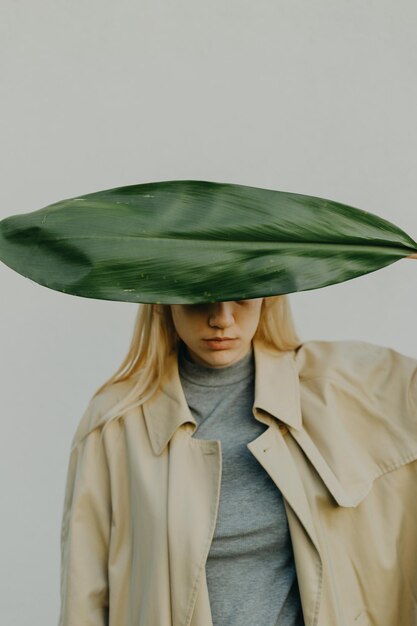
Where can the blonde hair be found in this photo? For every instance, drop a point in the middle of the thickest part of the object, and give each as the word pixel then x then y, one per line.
pixel 155 337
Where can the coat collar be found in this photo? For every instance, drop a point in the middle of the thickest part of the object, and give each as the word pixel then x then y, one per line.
pixel 276 392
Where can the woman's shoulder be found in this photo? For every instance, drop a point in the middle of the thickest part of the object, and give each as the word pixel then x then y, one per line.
pixel 318 358
pixel 367 373
pixel 99 407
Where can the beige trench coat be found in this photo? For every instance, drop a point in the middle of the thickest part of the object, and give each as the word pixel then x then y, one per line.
pixel 341 444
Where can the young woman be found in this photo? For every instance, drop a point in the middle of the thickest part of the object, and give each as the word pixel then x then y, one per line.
pixel 229 474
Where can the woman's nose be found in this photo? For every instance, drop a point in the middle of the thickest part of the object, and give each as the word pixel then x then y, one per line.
pixel 221 315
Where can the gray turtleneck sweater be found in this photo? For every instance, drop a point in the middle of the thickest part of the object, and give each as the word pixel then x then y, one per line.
pixel 250 569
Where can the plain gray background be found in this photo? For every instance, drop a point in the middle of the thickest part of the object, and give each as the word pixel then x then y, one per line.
pixel 312 97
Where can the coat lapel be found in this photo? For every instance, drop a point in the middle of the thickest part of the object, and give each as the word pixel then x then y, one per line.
pixel 272 453
pixel 277 403
pixel 277 396
pixel 278 392
pixel 194 478
pixel 193 500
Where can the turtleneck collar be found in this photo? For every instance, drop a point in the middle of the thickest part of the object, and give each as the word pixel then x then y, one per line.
pixel 207 376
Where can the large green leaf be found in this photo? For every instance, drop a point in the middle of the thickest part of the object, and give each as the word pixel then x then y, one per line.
pixel 196 241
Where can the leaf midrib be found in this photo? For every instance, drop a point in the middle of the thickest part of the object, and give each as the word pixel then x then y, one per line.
pixel 303 244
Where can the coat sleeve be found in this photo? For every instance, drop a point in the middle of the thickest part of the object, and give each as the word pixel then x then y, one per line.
pixel 85 532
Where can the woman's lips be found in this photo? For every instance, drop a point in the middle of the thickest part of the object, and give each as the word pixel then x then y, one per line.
pixel 219 344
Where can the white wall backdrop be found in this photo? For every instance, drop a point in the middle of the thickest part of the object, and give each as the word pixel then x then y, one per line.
pixel 311 97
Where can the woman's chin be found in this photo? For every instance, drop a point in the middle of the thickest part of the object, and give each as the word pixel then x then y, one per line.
pixel 221 358
pixel 215 357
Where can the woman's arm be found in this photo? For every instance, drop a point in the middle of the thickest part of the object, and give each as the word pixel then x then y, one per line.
pixel 86 526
